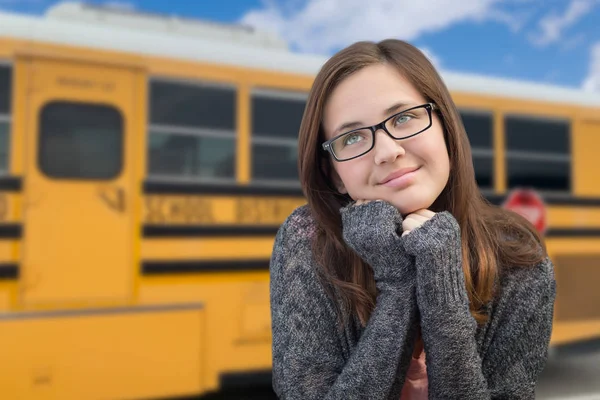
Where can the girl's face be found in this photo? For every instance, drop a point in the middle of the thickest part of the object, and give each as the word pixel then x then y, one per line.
pixel 366 98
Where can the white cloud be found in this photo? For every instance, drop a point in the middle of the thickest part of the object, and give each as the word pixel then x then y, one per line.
pixel 514 20
pixel 592 82
pixel 323 26
pixel 553 25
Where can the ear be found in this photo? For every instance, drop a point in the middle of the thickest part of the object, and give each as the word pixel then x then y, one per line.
pixel 341 188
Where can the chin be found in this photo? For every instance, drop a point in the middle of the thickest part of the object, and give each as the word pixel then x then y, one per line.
pixel 409 204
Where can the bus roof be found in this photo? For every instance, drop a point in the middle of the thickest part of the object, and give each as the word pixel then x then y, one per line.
pixel 128 31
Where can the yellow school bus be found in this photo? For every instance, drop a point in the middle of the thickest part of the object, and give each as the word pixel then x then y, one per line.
pixel 145 166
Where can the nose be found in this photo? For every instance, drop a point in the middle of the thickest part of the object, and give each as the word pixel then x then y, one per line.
pixel 386 149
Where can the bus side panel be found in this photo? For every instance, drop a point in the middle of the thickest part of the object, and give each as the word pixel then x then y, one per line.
pixel 237 315
pixel 576 315
pixel 124 355
pixel 585 144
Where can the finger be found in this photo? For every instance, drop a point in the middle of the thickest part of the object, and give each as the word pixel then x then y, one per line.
pixel 416 217
pixel 405 233
pixel 425 213
pixel 410 224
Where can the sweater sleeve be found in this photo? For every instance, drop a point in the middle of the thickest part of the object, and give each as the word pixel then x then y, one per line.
pixel 309 361
pixel 520 326
pixel 520 332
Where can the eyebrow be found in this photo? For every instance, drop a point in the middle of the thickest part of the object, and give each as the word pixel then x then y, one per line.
pixel 356 124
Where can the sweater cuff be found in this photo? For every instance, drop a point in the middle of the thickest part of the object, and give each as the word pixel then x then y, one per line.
pixel 436 244
pixel 377 211
pixel 372 231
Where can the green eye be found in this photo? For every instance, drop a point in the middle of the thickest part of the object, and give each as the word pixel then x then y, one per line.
pixel 352 139
pixel 402 119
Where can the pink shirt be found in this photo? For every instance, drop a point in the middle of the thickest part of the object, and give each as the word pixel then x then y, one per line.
pixel 415 385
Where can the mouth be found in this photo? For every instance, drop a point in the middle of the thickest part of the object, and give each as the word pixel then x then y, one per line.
pixel 399 175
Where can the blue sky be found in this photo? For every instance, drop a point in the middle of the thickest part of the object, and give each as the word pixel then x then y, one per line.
pixel 553 41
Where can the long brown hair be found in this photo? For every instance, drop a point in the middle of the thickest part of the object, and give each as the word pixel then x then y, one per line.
pixel 491 236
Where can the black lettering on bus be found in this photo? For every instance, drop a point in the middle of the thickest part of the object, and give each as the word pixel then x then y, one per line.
pixel 175 211
pixel 198 210
pixel 264 211
pixel 85 83
pixel 246 211
pixel 179 210
pixel 154 205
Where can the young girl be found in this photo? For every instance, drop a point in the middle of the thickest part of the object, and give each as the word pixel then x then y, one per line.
pixel 398 280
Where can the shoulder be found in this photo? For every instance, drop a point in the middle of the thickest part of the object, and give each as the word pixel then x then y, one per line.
pixel 526 287
pixel 293 241
pixel 523 260
pixel 298 228
pixel 536 276
pixel 294 273
pixel 522 308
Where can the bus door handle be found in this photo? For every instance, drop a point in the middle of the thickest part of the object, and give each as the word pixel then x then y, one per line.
pixel 113 197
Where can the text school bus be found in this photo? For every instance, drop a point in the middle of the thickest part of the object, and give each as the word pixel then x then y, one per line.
pixel 145 169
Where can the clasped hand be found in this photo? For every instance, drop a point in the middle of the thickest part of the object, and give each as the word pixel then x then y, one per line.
pixel 411 221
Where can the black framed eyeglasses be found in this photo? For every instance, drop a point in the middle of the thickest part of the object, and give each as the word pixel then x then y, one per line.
pixel 400 126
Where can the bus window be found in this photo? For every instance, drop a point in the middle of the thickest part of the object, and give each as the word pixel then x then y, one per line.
pixel 192 131
pixel 538 153
pixel 5 96
pixel 80 141
pixel 276 118
pixel 479 127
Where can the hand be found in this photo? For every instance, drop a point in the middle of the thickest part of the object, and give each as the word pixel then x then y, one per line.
pixel 372 229
pixel 436 244
pixel 416 219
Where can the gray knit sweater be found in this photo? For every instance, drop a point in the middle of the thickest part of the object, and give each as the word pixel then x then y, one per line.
pixel 420 282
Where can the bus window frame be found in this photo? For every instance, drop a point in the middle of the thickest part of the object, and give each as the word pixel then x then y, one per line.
pixel 7 117
pixel 189 131
pixel 477 151
pixel 257 138
pixel 122 133
pixel 540 156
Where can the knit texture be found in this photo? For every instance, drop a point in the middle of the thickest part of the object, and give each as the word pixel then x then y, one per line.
pixel 420 282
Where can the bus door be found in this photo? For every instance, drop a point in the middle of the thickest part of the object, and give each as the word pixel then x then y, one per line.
pixel 78 226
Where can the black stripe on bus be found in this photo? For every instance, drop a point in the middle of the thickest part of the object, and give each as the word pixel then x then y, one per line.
pixel 572 233
pixel 154 231
pixel 203 266
pixel 573 201
pixel 238 380
pixel 167 231
pixel 10 184
pixel 10 231
pixel 9 271
pixel 150 187
pixel 553 200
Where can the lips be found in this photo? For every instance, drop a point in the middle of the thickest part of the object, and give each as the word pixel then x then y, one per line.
pixel 397 174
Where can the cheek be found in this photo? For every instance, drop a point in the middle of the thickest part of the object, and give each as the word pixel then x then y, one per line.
pixel 441 163
pixel 441 158
pixel 353 174
pixel 434 151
